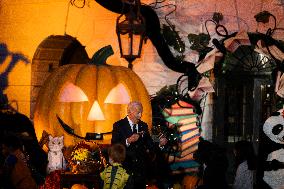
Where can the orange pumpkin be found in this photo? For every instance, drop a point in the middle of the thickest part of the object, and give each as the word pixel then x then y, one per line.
pixel 96 81
pixel 191 181
pixel 78 186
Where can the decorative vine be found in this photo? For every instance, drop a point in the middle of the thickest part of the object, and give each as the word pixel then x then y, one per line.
pixel 173 39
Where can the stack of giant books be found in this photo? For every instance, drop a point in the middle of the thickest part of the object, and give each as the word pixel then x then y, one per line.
pixel 182 117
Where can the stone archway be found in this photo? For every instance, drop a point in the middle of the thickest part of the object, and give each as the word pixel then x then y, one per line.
pixel 54 51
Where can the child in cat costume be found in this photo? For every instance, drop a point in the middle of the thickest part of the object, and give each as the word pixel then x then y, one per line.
pixel 56 160
pixel 114 176
pixel 56 163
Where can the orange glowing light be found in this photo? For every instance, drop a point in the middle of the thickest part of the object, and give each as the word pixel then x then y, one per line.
pixel 96 112
pixel 72 93
pixel 118 95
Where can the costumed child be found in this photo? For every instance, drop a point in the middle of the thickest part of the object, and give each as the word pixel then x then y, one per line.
pixel 115 176
pixel 56 160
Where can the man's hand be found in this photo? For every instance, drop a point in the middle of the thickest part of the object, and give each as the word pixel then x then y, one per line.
pixel 133 138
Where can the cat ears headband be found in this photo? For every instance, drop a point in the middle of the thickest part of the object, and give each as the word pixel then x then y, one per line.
pixel 51 137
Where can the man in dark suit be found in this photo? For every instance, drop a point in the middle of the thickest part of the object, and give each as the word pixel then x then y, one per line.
pixel 140 148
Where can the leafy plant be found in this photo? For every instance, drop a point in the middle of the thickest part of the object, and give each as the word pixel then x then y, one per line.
pixel 81 152
pixel 173 39
pixel 164 98
pixel 198 42
pixel 168 95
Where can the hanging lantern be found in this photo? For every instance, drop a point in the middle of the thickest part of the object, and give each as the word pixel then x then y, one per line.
pixel 130 29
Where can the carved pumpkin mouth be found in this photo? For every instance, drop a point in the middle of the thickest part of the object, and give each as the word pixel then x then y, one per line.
pixel 73 93
pixel 89 136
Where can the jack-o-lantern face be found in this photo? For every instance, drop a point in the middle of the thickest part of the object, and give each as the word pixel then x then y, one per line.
pixel 94 84
pixel 73 93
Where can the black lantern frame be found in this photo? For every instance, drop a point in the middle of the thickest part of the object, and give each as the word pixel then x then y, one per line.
pixel 130 30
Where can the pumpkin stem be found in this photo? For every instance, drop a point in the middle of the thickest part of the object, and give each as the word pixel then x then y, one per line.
pixel 99 58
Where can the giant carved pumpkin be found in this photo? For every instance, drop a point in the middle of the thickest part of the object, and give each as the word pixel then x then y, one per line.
pixel 96 81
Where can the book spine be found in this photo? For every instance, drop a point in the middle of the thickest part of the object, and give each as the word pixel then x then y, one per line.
pixel 189 143
pixel 187 121
pixel 182 104
pixel 179 112
pixel 187 127
pixel 184 164
pixel 186 139
pixel 188 151
pixel 174 158
pixel 187 135
pixel 181 154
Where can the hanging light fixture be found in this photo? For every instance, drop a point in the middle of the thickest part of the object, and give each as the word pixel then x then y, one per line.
pixel 130 30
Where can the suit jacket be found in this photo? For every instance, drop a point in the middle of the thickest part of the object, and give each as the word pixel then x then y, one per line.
pixel 137 153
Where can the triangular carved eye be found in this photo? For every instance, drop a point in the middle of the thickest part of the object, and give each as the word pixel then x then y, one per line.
pixel 118 95
pixel 72 93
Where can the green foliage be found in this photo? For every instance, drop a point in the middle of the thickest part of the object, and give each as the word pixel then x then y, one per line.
pixel 199 42
pixel 173 39
pixel 226 63
pixel 164 98
pixel 262 17
pixel 224 66
pixel 168 95
pixel 204 52
pixel 180 58
pixel 279 103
